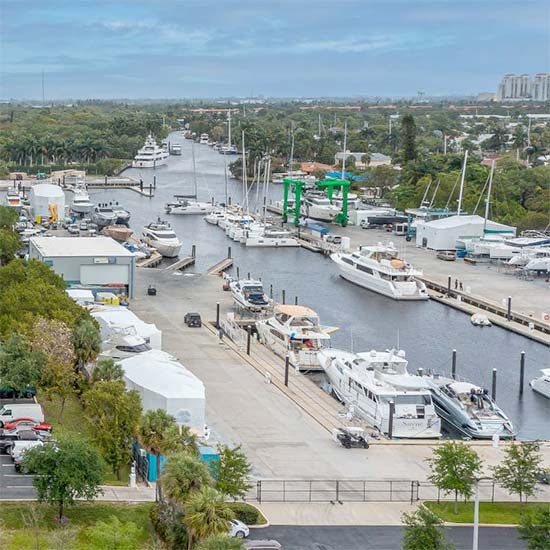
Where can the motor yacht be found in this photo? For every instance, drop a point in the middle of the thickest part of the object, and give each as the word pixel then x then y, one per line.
pixel 204 139
pixel 542 383
pixel 13 199
pixel 123 344
pixel 81 203
pixel 228 150
pixel 184 205
pixel 103 215
pixel 354 202
pixel 161 236
pixel 249 294
pixel 122 215
pixel 175 150
pixel 295 330
pixel 319 208
pixel 379 268
pixel 358 381
pixel 273 237
pixel 150 155
pixel 215 216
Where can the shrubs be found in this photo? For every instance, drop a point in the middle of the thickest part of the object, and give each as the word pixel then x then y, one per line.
pixel 247 514
pixel 167 520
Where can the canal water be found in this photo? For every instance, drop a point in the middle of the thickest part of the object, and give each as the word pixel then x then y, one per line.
pixel 427 331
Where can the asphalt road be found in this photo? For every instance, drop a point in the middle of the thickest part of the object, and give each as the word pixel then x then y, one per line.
pixel 380 538
pixel 14 486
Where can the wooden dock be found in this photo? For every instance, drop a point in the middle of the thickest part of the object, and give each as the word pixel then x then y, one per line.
pixel 180 265
pixel 218 268
pixel 153 260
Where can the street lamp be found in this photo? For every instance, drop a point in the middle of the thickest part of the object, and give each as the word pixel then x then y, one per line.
pixel 476 513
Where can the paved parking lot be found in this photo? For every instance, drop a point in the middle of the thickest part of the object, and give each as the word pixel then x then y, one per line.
pixel 14 486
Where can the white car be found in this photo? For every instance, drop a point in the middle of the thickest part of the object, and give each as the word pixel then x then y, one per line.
pixel 18 449
pixel 238 529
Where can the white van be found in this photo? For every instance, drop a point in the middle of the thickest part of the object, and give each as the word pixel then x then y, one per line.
pixel 13 411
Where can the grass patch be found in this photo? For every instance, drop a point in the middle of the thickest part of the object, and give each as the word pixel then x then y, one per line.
pixel 111 479
pixel 32 525
pixel 247 513
pixel 489 512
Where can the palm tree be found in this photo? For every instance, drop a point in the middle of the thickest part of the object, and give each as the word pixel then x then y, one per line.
pixel 184 474
pixel 220 542
pixel 159 434
pixel 107 370
pixel 86 342
pixel 206 514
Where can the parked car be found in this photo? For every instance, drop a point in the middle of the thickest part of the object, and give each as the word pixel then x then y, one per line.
pixel 335 239
pixel 446 255
pixel 18 449
pixel 364 224
pixel 13 411
pixel 22 424
pixel 238 529
pixel 7 440
pixel 73 229
pixel 192 320
pixel 83 226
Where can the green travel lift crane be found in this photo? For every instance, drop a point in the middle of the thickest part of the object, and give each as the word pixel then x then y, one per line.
pixel 329 185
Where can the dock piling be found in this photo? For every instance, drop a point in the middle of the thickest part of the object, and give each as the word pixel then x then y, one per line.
pixel 284 296
pixel 154 182
pixel 229 252
pixel 218 315
pixel 420 371
pixel 287 365
pixel 521 372
pixel 271 291
pixel 193 251
pixel 390 423
pixel 494 385
pixel 453 367
pixel 248 335
pixel 248 275
pixel 295 300
pixel 509 312
pixel 238 273
pixel 449 286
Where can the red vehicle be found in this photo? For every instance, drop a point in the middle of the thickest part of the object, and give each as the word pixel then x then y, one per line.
pixel 26 424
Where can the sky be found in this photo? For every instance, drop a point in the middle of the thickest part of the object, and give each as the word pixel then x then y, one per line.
pixel 277 48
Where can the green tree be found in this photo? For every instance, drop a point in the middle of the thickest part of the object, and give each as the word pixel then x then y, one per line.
pixel 113 534
pixel 86 342
pixel 69 470
pixel 231 472
pixel 220 542
pixel 519 471
pixel 423 531
pixel 114 415
pixel 20 366
pixel 183 474
pixel 159 434
pixel 8 217
pixel 408 138
pixel 455 467
pixel 383 177
pixel 106 370
pixel 206 514
pixel 534 527
pixel 10 243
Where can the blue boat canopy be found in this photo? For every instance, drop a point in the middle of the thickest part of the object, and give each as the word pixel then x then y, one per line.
pixel 314 227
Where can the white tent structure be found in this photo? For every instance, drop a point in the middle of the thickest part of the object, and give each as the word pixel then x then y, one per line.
pixel 44 197
pixel 163 383
pixel 81 296
pixel 116 319
pixel 442 234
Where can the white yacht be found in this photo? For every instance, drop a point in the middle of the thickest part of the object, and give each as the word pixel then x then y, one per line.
pixel 81 203
pixel 524 256
pixel 150 155
pixel 271 236
pixel 13 198
pixel 228 150
pixel 175 150
pixel 183 205
pixel 295 330
pixel 204 139
pixel 161 236
pixel 379 268
pixel 249 294
pixel 215 216
pixel 354 202
pixel 103 215
pixel 319 207
pixel 541 265
pixel 358 381
pixel 123 344
pixel 122 215
pixel 542 383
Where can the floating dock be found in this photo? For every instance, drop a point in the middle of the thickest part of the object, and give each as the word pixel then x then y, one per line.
pixel 221 266
pixel 182 264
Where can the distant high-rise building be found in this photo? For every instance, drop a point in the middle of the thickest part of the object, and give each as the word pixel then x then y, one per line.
pixel 521 86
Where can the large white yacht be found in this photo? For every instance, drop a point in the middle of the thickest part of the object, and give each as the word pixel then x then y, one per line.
pixel 271 236
pixel 380 269
pixel 358 381
pixel 13 198
pixel 318 207
pixel 249 294
pixel 150 155
pixel 161 236
pixel 542 383
pixel 103 215
pixel 81 203
pixel 184 205
pixel 295 330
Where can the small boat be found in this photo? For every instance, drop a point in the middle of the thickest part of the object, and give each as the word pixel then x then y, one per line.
pixel 542 383
pixel 203 139
pixel 161 236
pixel 122 215
pixel 249 294
pixel 184 205
pixel 118 232
pixel 13 199
pixel 215 216
pixel 272 237
pixel 480 320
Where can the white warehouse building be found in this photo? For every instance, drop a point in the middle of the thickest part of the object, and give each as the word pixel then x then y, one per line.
pixel 95 262
pixel 46 200
pixel 164 383
pixel 442 234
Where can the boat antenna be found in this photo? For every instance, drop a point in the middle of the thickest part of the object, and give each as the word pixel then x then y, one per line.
pixel 462 183
pixel 488 196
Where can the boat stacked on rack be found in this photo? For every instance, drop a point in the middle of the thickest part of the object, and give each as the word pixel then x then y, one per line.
pixel 379 268
pixel 359 381
pixel 249 294
pixel 295 331
pixel 150 155
pixel 13 199
pixel 161 236
pixel 318 207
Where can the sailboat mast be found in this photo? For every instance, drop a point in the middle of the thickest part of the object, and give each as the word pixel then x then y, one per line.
pixel 462 183
pixel 345 146
pixel 229 128
pixel 194 168
pixel 266 189
pixel 225 177
pixel 245 190
pixel 488 196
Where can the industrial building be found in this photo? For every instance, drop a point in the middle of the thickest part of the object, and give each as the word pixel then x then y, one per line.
pixel 98 263
pixel 442 234
pixel 47 201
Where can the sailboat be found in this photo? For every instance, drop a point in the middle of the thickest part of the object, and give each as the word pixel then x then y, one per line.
pixel 228 149
pixel 188 204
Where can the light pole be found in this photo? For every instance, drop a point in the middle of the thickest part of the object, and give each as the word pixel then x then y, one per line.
pixel 476 513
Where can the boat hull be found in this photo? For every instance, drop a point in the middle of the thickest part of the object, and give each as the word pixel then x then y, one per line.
pixel 269 242
pixel 149 163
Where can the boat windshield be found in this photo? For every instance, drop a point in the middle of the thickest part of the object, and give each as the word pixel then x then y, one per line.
pixel 134 349
pixel 304 322
pixel 253 290
pixel 164 235
pixel 407 399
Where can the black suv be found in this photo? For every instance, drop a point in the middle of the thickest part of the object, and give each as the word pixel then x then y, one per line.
pixel 192 320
